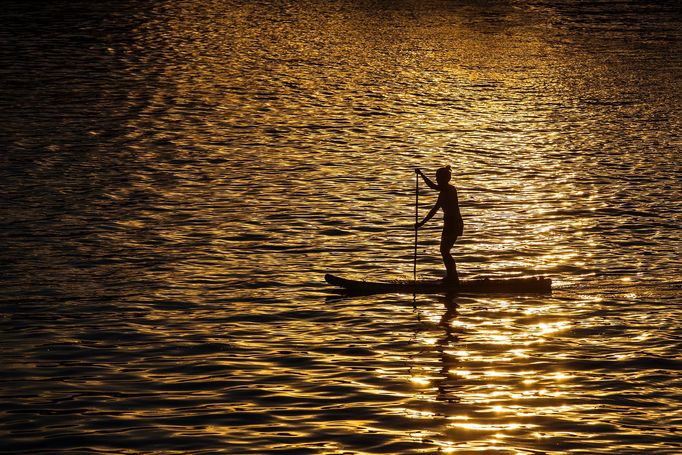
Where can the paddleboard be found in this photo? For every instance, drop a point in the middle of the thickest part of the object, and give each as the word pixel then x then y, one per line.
pixel 533 285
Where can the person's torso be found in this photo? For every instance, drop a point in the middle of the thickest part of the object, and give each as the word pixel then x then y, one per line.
pixel 449 202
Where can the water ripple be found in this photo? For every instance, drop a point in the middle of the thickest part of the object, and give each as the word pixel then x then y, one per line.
pixel 178 177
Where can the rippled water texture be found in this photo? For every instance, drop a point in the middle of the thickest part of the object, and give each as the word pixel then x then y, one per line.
pixel 177 176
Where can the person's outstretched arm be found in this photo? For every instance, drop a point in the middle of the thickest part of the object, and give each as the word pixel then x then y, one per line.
pixel 428 181
pixel 429 215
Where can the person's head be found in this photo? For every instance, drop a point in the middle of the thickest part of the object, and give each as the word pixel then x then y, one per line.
pixel 443 175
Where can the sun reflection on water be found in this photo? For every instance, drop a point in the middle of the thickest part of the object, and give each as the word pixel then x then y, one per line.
pixel 493 427
pixel 487 363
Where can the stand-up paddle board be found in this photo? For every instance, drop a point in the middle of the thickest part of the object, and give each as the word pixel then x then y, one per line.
pixel 486 286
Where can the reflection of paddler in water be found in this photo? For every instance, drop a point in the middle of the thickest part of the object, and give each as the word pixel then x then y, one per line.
pixel 453 225
pixel 447 383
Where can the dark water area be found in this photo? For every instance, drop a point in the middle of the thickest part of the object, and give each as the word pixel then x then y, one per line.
pixel 176 177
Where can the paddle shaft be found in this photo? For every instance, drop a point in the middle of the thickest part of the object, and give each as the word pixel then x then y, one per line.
pixel 416 220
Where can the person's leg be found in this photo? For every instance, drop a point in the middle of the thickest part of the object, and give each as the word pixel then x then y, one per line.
pixel 447 241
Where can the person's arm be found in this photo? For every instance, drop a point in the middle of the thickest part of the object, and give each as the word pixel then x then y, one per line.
pixel 429 215
pixel 428 181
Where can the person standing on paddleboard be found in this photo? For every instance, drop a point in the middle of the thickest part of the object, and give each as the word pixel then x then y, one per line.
pixel 453 225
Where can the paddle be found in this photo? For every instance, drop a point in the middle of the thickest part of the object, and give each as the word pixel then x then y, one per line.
pixel 416 220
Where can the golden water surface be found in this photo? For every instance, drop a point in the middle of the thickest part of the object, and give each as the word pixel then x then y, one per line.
pixel 177 177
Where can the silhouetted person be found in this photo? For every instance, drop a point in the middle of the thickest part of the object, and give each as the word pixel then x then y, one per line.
pixel 453 225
